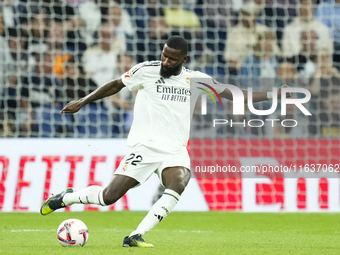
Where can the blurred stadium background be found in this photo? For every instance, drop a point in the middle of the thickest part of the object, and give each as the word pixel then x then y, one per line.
pixel 52 52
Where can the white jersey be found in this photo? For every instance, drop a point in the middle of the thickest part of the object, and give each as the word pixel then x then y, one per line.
pixel 162 107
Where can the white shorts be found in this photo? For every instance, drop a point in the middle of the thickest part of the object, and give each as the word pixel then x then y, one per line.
pixel 141 162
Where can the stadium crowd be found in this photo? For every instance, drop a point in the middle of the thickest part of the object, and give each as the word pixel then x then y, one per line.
pixel 54 51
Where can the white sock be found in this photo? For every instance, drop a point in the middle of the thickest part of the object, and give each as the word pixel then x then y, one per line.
pixel 89 195
pixel 158 212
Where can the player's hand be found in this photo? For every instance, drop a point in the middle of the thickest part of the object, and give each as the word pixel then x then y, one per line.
pixel 72 107
pixel 279 92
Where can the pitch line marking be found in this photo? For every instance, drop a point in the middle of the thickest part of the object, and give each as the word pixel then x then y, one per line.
pixel 32 230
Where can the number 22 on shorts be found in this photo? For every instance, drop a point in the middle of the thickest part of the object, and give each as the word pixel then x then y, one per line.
pixel 133 159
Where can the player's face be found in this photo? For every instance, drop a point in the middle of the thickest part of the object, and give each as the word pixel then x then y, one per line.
pixel 172 61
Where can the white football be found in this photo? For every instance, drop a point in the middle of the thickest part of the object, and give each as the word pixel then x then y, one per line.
pixel 72 232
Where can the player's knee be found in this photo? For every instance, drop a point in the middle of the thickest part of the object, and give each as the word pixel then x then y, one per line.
pixel 177 184
pixel 176 179
pixel 110 196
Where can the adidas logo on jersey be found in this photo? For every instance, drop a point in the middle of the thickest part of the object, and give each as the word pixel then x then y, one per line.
pixel 160 81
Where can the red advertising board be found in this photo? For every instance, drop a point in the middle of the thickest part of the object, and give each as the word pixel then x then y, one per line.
pixel 226 190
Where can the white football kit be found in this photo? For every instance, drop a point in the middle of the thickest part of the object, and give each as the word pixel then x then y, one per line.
pixel 160 130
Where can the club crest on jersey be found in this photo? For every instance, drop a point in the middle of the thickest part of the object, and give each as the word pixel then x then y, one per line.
pixel 188 80
pixel 124 168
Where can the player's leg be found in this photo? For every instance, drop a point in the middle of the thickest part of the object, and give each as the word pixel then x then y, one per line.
pixel 175 179
pixel 118 186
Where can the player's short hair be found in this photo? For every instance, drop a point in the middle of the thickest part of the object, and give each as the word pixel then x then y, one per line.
pixel 178 43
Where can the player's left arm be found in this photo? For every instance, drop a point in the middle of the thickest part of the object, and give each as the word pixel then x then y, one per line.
pixel 257 96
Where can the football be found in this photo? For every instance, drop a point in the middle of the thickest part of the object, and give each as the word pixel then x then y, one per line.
pixel 72 232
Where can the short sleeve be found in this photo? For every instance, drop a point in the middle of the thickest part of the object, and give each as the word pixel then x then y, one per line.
pixel 133 79
pixel 210 81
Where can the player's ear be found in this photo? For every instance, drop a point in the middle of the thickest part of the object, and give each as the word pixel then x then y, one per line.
pixel 185 59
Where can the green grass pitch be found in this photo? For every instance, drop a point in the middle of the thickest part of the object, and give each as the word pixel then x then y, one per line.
pixel 180 233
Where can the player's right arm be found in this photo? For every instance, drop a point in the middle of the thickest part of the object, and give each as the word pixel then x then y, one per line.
pixel 106 90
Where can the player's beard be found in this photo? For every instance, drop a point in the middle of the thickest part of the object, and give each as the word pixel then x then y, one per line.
pixel 167 72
